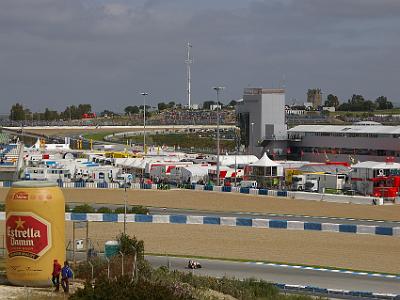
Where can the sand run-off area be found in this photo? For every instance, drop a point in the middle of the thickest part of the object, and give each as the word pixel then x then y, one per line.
pixel 214 201
pixel 341 250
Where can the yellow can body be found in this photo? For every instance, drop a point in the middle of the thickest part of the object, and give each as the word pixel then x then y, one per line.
pixel 35 232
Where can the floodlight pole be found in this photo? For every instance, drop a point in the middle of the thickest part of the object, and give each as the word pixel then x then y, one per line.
pixel 218 89
pixel 144 94
pixel 125 203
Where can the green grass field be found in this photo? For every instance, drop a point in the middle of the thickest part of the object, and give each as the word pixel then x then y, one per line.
pixel 182 140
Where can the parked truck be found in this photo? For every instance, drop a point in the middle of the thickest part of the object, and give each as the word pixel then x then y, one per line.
pixel 304 182
pixel 318 182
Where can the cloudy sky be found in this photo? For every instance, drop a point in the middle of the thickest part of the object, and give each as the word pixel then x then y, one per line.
pixel 54 53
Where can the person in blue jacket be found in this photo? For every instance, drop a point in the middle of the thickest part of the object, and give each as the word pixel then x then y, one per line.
pixel 66 274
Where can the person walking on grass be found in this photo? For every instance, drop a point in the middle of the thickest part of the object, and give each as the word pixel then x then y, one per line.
pixel 66 274
pixel 56 275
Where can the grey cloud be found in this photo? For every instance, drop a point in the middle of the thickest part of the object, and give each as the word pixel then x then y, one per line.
pixel 59 52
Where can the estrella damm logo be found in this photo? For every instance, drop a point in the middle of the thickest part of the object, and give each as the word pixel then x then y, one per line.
pixel 27 235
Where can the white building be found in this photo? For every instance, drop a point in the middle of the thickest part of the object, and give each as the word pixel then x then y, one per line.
pixel 261 117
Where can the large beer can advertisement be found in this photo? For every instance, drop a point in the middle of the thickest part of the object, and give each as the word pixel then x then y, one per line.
pixel 35 232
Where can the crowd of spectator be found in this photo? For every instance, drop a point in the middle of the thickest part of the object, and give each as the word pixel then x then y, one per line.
pixel 165 117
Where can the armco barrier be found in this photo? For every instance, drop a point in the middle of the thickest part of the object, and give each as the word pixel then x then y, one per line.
pixel 113 185
pixel 135 186
pixel 263 192
pixel 281 193
pixel 232 221
pixel 102 185
pixel 208 187
pixel 244 190
pixel 217 188
pixel 227 189
pixel 307 196
pixel 79 184
pixel 7 183
pixel 253 191
pixel 272 193
pixel 235 189
pixel 199 187
pixel 396 231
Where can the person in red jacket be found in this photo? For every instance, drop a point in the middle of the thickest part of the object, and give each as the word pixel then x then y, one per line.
pixel 56 275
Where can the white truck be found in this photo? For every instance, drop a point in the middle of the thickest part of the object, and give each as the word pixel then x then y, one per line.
pixel 318 182
pixel 305 183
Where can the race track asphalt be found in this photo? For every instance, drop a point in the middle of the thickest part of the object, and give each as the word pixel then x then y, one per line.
pixel 286 275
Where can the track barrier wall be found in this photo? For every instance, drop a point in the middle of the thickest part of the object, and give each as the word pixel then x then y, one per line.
pixel 228 189
pixel 232 221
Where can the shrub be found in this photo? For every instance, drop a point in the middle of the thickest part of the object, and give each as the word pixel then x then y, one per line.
pixel 137 209
pixel 124 288
pixel 104 210
pixel 121 210
pixel 128 244
pixel 85 208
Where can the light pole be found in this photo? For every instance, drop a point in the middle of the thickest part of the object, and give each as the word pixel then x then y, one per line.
pixel 252 138
pixel 144 94
pixel 237 136
pixel 218 89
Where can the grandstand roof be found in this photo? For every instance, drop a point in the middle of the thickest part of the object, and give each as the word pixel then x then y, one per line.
pixel 376 129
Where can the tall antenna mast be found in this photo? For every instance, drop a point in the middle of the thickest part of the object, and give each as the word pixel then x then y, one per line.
pixel 189 61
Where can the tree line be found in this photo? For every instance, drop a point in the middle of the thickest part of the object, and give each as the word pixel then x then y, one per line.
pixel 358 103
pixel 19 113
pixel 73 112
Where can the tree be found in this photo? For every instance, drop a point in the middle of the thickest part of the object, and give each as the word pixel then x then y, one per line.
pixel 130 245
pixel 131 110
pixel 332 101
pixel 17 112
pixel 171 104
pixel 84 109
pixel 162 106
pixel 50 115
pixel 357 103
pixel 383 103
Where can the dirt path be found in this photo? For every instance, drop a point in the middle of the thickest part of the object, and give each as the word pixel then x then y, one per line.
pixel 228 202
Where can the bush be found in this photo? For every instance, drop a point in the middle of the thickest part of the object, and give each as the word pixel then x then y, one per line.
pixel 133 210
pixel 85 208
pixel 128 244
pixel 124 288
pixel 139 210
pixel 104 210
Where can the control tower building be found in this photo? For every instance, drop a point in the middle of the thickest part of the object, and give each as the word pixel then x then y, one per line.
pixel 261 118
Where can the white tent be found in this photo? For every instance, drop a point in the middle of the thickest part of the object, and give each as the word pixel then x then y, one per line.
pixel 265 167
pixel 264 161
